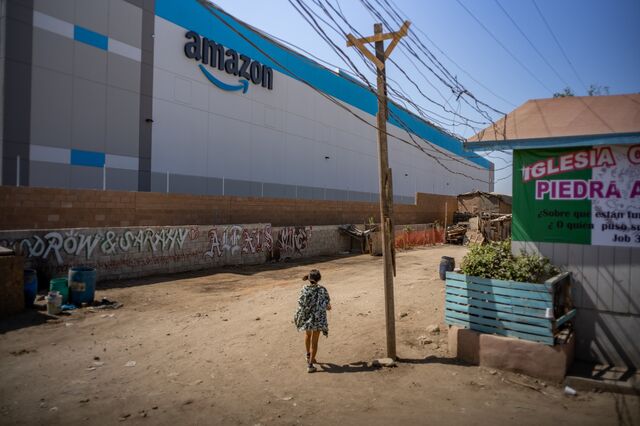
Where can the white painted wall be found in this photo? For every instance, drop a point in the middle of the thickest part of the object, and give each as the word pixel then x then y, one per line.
pixel 277 136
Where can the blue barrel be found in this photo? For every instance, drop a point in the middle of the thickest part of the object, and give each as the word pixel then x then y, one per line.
pixel 30 286
pixel 82 284
pixel 447 264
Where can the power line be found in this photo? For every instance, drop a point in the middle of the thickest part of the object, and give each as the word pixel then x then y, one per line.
pixel 410 80
pixel 532 45
pixel 214 9
pixel 402 16
pixel 309 17
pixel 506 49
pixel 340 52
pixel 559 45
pixel 455 86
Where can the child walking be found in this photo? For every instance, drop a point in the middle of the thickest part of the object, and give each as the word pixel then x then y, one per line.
pixel 311 315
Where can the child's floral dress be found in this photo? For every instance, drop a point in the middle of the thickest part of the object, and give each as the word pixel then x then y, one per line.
pixel 312 309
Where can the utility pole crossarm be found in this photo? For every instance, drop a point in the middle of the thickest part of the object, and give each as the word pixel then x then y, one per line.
pixel 362 48
pixel 373 38
pixel 396 38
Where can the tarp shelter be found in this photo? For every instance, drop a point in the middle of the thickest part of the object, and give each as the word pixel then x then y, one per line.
pixel 576 200
pixel 484 202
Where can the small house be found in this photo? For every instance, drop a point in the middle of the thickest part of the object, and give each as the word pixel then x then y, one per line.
pixel 576 200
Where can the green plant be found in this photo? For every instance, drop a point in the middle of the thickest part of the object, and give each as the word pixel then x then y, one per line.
pixel 494 260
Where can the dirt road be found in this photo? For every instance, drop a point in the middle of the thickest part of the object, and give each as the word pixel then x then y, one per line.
pixel 222 349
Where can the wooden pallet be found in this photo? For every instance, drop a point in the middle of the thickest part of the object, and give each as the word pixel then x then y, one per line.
pixel 508 308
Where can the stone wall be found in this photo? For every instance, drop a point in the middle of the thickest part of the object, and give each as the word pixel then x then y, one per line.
pixel 49 208
pixel 129 252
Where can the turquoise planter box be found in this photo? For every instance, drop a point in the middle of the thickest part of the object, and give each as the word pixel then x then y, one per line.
pixel 528 311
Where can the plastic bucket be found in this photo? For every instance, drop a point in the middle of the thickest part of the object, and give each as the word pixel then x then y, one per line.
pixel 30 286
pixel 54 303
pixel 82 284
pixel 447 264
pixel 61 286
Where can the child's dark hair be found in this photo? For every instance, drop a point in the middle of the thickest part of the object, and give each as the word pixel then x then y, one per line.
pixel 313 276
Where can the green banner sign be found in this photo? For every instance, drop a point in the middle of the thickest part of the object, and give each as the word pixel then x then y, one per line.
pixel 586 195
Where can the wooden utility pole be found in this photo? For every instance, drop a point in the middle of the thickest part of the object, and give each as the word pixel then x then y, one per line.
pixel 386 185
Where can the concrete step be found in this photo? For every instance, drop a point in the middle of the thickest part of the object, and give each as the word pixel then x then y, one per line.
pixel 604 378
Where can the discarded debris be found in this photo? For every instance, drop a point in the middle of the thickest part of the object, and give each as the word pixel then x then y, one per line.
pixel 384 362
pixel 130 364
pixel 433 329
pixel 22 352
pixel 424 340
pixel 526 385
pixel 569 391
pixel 108 304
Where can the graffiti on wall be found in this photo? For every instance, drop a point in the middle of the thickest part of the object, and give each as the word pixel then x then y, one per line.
pixel 293 239
pixel 114 249
pixel 235 240
pixel 74 243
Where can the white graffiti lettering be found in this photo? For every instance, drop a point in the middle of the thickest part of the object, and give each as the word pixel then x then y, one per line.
pixel 293 239
pixel 74 243
pixel 236 240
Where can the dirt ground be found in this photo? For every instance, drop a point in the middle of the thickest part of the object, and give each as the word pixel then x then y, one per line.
pixel 220 348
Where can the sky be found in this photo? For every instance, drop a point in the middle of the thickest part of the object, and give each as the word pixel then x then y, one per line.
pixel 600 39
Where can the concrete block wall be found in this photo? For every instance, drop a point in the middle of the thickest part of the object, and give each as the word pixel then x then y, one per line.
pixel 130 252
pixel 52 208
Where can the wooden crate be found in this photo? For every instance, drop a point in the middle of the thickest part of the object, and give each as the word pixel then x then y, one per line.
pixel 509 308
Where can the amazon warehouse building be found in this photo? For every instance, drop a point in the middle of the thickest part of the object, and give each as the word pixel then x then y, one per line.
pixel 179 97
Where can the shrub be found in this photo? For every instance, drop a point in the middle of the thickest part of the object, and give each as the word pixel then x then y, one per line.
pixel 494 260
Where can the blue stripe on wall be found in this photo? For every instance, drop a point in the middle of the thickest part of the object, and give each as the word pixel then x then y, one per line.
pixel 192 16
pixel 87 158
pixel 90 37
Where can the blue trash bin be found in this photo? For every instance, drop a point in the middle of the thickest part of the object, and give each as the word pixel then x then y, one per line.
pixel 30 286
pixel 82 284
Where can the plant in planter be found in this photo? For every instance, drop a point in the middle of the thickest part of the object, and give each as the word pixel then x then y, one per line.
pixel 498 293
pixel 494 260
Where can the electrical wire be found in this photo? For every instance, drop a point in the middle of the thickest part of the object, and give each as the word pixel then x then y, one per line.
pixel 559 45
pixel 505 48
pixel 401 16
pixel 453 84
pixel 515 24
pixel 214 11
pixel 314 24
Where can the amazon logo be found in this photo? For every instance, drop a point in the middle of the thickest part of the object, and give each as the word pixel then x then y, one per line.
pixel 216 56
